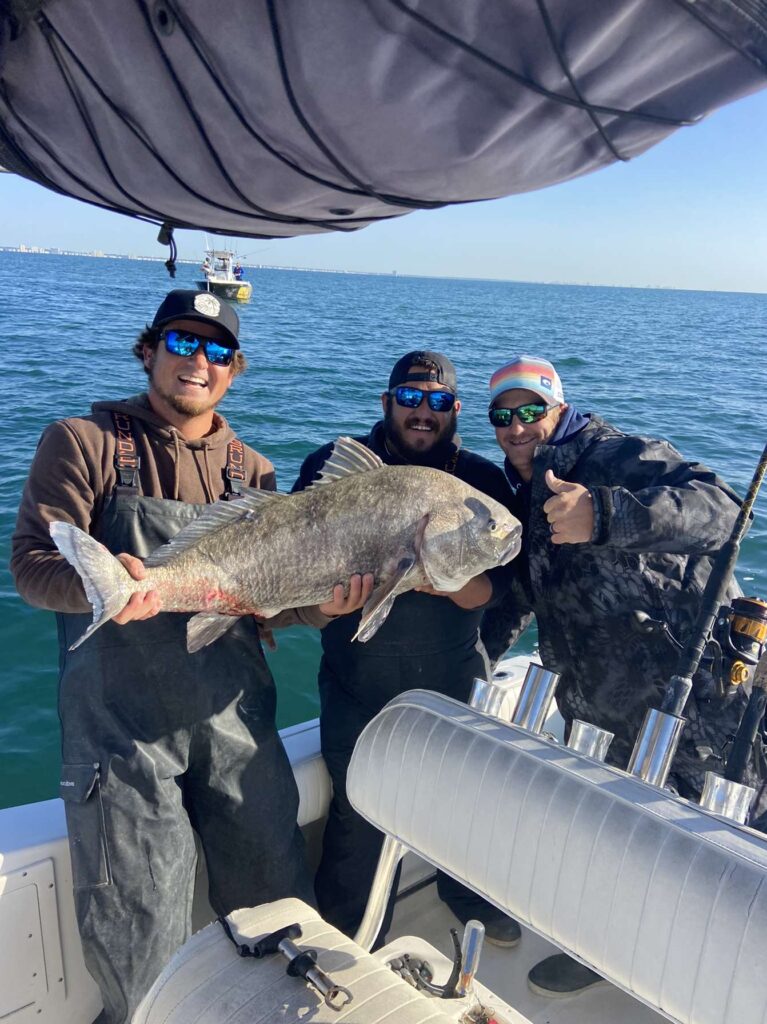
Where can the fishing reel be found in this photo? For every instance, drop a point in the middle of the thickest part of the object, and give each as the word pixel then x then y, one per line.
pixel 738 641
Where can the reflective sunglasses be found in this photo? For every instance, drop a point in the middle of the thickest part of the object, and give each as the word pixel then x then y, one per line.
pixel 530 413
pixel 182 343
pixel 411 398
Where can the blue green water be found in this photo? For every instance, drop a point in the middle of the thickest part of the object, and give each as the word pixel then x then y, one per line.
pixel 688 366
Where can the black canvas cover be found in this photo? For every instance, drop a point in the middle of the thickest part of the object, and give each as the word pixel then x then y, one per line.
pixel 283 117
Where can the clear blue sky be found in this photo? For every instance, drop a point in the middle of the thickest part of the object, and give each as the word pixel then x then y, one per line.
pixel 690 213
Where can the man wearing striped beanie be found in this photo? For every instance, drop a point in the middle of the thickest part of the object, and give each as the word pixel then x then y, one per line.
pixel 619 536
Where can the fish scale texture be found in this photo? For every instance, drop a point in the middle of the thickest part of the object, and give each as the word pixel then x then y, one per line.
pixel 294 548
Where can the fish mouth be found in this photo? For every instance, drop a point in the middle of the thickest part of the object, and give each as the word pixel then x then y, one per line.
pixel 513 544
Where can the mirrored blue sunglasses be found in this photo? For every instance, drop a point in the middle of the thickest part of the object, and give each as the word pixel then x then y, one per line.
pixel 183 343
pixel 411 398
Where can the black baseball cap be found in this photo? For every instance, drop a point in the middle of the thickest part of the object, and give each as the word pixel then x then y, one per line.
pixel 204 307
pixel 436 367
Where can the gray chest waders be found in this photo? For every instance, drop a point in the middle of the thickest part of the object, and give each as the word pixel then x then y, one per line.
pixel 158 744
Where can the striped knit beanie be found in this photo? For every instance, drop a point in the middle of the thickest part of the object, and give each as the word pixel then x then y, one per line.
pixel 531 374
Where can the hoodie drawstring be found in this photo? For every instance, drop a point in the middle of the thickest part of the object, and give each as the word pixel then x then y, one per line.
pixel 176 461
pixel 211 485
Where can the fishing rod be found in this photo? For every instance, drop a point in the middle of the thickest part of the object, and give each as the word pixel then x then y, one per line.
pixel 750 725
pixel 680 684
pixel 661 730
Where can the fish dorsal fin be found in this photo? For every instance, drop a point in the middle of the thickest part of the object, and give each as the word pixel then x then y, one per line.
pixel 213 518
pixel 348 458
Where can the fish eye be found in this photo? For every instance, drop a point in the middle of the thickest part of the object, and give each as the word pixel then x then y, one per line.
pixel 492 525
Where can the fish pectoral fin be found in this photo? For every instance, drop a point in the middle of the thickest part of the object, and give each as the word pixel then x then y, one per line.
pixel 348 458
pixel 380 602
pixel 205 627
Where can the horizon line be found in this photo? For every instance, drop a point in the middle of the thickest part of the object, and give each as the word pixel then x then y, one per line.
pixel 97 254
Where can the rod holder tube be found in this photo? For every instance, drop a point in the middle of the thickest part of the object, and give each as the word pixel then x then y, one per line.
pixel 723 796
pixel 471 950
pixel 588 739
pixel 655 747
pixel 535 698
pixel 392 853
pixel 488 696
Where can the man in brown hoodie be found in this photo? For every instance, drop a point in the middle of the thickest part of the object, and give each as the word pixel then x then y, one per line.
pixel 158 744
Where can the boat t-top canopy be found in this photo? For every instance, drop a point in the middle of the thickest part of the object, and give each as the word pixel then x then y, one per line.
pixel 272 119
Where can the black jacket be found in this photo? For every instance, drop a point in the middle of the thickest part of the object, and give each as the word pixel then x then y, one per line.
pixel 659 520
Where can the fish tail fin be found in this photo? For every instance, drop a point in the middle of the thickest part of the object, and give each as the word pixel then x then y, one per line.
pixel 108 584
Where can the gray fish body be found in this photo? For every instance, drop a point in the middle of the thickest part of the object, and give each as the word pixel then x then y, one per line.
pixel 300 546
pixel 410 526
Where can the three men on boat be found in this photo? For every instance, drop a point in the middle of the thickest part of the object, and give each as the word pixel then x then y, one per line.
pixel 157 744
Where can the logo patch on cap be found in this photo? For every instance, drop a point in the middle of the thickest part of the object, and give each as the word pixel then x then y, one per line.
pixel 207 304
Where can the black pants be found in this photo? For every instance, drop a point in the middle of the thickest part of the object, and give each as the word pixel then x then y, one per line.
pixel 351 846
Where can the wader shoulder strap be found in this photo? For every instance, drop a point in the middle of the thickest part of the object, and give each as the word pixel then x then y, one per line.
pixel 127 460
pixel 234 472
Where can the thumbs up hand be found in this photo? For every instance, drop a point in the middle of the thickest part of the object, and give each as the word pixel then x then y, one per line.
pixel 570 511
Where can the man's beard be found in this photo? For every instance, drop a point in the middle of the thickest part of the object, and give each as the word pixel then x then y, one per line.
pixel 182 403
pixel 433 455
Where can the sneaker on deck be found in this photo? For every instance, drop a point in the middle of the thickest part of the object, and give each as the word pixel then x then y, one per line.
pixel 559 976
pixel 500 929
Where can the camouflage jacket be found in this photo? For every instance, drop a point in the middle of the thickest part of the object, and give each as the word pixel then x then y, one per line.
pixel 658 522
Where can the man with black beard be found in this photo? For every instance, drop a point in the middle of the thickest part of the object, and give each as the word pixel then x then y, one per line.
pixel 429 640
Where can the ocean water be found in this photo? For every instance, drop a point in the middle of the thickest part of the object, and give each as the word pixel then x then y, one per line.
pixel 688 366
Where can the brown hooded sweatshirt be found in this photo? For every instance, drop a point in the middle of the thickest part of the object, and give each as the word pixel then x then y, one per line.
pixel 73 475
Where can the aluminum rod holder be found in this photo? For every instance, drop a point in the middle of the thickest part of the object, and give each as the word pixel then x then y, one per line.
pixel 730 799
pixel 655 747
pixel 489 695
pixel 588 739
pixel 535 698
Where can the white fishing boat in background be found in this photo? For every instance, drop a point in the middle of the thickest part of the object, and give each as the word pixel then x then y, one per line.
pixel 224 276
pixel 364 112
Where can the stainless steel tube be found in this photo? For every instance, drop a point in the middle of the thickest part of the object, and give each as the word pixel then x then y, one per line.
pixel 589 740
pixel 471 949
pixel 392 853
pixel 730 799
pixel 535 698
pixel 488 696
pixel 655 747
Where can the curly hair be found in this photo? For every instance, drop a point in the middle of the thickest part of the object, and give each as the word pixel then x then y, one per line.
pixel 150 338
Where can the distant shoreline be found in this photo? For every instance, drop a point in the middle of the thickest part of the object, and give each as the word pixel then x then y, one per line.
pixel 34 250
